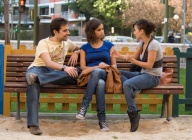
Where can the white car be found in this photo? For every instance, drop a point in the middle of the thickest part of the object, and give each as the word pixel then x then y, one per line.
pixel 119 39
pixel 159 38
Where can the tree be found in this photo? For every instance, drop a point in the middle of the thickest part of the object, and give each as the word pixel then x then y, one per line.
pixel 121 14
pixel 6 19
pixel 153 10
pixel 109 11
pixel 148 9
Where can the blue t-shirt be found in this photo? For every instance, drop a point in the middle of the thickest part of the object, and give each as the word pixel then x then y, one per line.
pixel 94 56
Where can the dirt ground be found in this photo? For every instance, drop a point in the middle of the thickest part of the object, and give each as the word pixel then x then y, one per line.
pixel 88 129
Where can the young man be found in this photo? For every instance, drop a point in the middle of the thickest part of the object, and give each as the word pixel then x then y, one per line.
pixel 48 66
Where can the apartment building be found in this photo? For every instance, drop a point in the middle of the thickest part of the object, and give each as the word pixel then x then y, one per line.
pixel 47 10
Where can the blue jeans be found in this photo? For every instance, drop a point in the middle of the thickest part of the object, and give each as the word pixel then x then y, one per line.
pixel 45 75
pixel 136 81
pixel 96 84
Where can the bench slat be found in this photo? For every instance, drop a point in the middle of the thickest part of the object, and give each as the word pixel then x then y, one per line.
pixel 23 84
pixel 80 91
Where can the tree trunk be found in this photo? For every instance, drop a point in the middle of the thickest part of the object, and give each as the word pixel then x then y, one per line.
pixel 6 25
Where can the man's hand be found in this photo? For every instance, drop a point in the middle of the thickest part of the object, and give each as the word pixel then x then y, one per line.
pixel 72 71
pixel 73 60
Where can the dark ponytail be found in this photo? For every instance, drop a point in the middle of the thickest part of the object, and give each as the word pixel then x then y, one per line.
pixel 145 25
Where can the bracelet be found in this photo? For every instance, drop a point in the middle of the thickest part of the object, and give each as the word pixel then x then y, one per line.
pixel 63 67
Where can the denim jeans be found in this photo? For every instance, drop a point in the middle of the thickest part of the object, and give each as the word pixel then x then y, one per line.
pixel 136 81
pixel 96 84
pixel 45 75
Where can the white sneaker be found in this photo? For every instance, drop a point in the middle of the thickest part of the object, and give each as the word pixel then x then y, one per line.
pixel 103 127
pixel 81 114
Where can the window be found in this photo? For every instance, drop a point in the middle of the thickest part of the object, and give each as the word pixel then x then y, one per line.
pixel 52 11
pixel 44 10
pixel 64 8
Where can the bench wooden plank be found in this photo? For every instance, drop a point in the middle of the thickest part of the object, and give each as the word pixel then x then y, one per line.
pixel 23 84
pixel 49 88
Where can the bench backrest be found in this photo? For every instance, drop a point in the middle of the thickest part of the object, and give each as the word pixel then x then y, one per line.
pixel 17 65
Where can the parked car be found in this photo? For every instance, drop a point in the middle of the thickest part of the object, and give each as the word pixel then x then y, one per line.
pixel 177 39
pixel 187 41
pixel 159 38
pixel 119 39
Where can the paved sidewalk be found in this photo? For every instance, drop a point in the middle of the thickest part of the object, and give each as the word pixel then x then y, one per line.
pixel 89 116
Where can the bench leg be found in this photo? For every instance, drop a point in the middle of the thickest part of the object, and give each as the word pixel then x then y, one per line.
pixel 165 101
pixel 163 107
pixel 17 117
pixel 168 109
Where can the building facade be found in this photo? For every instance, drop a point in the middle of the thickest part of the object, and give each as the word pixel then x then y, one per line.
pixel 47 10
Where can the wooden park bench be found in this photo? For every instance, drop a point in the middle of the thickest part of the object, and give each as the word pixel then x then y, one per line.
pixel 17 61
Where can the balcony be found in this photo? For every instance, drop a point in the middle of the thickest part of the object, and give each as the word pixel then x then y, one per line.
pixel 25 19
pixel 71 16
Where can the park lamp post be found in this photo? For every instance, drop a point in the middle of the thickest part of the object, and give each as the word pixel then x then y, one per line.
pixel 21 10
pixel 82 18
pixel 176 17
pixel 112 30
pixel 168 13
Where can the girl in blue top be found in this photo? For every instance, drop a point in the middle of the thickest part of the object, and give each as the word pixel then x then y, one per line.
pixel 95 54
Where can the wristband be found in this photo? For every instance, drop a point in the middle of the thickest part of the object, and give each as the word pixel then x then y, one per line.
pixel 63 67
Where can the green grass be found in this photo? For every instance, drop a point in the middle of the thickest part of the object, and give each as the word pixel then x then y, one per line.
pixel 145 108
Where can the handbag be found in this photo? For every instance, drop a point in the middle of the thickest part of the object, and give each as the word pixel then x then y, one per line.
pixel 166 77
pixel 134 67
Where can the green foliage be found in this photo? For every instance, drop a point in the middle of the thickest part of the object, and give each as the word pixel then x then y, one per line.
pixel 109 8
pixel 109 11
pixel 73 32
pixel 2 35
pixel 26 35
pixel 1 8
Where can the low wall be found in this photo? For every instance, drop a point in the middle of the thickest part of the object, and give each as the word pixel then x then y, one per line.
pixel 118 45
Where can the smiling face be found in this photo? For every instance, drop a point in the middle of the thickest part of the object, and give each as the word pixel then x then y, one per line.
pixel 63 33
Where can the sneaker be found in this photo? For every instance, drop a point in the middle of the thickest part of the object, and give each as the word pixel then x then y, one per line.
pixel 35 130
pixel 81 113
pixel 103 127
pixel 31 78
pixel 135 93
